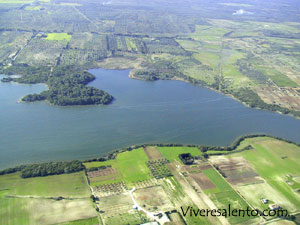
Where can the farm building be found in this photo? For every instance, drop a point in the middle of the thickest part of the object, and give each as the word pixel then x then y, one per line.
pixel 274 207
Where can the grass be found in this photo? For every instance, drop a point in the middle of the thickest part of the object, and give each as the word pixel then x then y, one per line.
pixel 177 194
pixel 208 33
pixel 109 179
pixel 130 44
pixel 274 161
pixel 89 221
pixel 44 211
pixel 25 201
pixel 208 58
pixel 218 181
pixel 70 4
pixel 133 165
pixel 224 194
pixel 95 164
pixel 13 211
pixel 278 78
pixel 130 165
pixel 171 153
pixel 189 45
pixel 58 37
pixel 15 2
pixel 127 218
pixel 33 8
pixel 231 72
pixel 67 185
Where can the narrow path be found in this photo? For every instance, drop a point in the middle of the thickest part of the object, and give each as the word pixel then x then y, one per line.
pixel 93 193
pixel 195 197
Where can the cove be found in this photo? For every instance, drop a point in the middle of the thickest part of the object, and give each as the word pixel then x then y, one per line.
pixel 142 112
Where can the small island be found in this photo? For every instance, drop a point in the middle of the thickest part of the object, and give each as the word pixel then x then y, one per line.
pixel 67 85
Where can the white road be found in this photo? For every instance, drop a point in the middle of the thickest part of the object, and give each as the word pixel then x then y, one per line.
pixel 151 215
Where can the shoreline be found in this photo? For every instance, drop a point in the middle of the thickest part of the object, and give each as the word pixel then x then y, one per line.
pixel 131 76
pixel 112 154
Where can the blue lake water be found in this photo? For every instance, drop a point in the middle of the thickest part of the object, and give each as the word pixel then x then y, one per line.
pixel 143 112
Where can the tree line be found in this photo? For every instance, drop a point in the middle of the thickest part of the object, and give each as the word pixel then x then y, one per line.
pixel 74 166
pixel 46 169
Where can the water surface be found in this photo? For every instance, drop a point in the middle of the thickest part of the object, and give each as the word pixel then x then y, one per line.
pixel 143 112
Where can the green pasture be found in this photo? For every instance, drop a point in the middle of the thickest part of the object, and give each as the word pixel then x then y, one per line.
pixel 66 185
pixel 33 8
pixel 130 165
pixel 127 218
pixel 172 153
pixel 27 201
pixel 133 165
pixel 276 161
pixel 58 37
pixel 89 221
pixel 224 194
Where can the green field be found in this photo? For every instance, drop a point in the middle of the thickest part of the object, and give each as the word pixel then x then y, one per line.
pixel 89 221
pixel 96 164
pixel 130 44
pixel 109 179
pixel 130 165
pixel 276 162
pixel 133 165
pixel 172 153
pixel 279 78
pixel 27 201
pixel 58 37
pixel 208 58
pixel 224 194
pixel 15 1
pixel 36 8
pixel 177 195
pixel 66 185
pixel 127 218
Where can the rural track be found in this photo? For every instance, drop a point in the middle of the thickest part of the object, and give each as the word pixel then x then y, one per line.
pixel 93 193
pixel 196 199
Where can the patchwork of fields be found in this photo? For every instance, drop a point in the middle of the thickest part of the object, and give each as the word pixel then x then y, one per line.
pixel 34 200
pixel 152 183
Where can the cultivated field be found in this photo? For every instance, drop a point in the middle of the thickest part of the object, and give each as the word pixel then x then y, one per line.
pixel 236 170
pixel 67 185
pixel 152 153
pixel 241 178
pixel 35 200
pixel 276 168
pixel 153 199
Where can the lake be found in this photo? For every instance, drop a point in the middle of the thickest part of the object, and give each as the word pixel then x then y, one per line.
pixel 142 112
